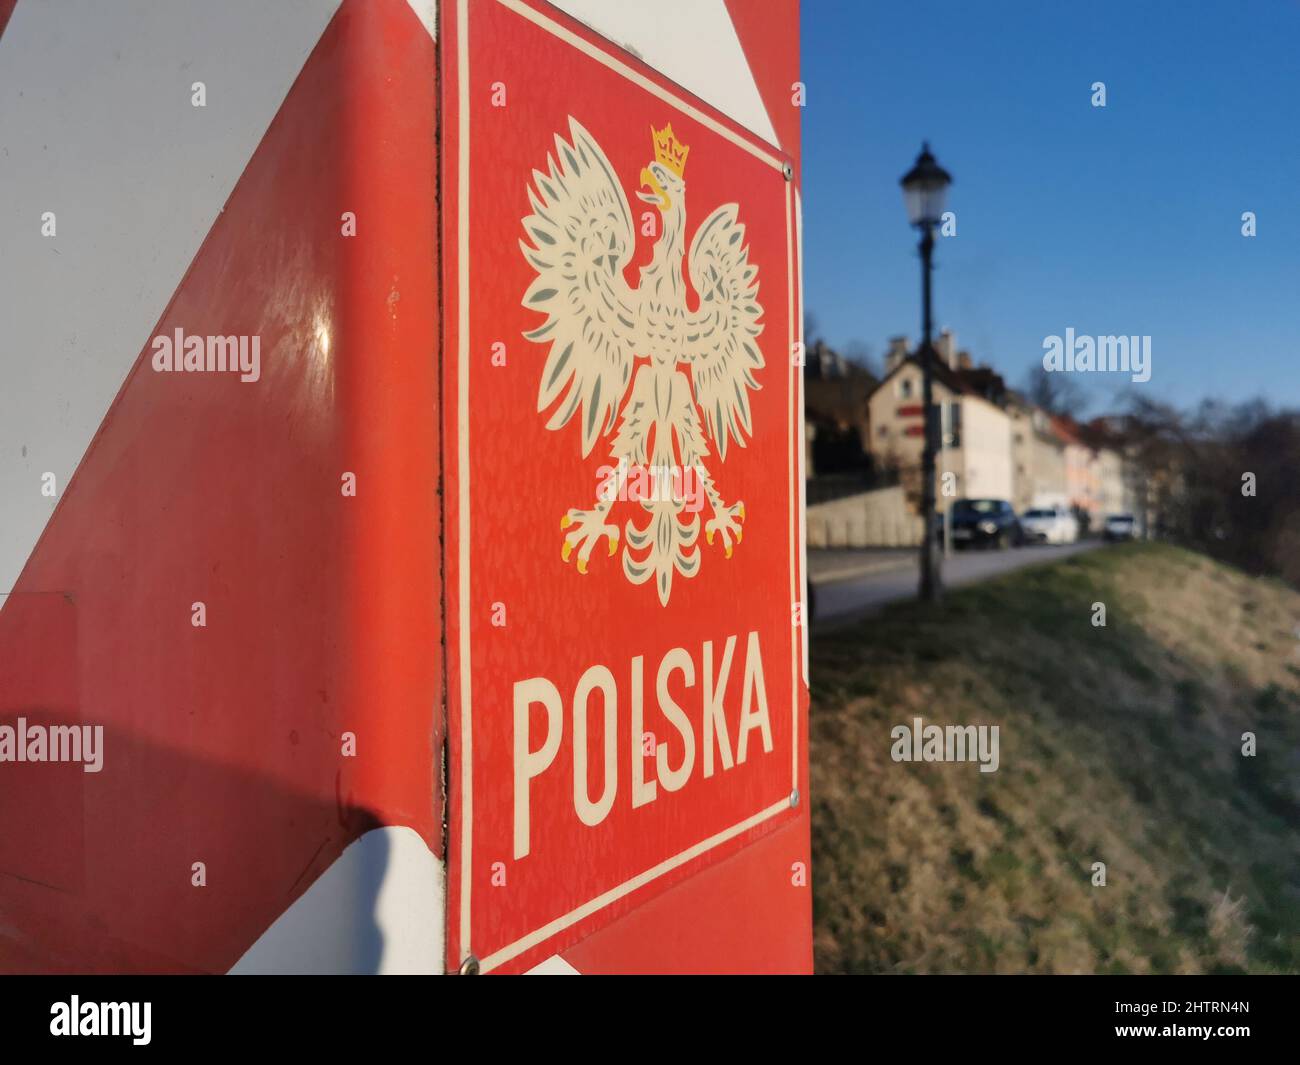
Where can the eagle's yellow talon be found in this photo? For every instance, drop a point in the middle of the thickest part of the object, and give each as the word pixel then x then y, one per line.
pixel 728 550
pixel 739 534
pixel 565 522
pixel 613 545
pixel 708 535
pixel 740 511
pixel 568 550
pixel 582 566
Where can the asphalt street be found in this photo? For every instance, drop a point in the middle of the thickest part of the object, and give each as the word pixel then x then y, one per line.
pixel 849 584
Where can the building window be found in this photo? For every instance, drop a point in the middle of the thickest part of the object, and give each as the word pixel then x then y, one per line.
pixel 905 388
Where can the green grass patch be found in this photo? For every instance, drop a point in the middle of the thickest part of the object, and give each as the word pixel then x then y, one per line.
pixel 1120 744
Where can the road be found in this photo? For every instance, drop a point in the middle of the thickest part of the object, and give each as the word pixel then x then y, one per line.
pixel 852 583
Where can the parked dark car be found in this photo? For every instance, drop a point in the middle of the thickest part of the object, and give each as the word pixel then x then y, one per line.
pixel 986 523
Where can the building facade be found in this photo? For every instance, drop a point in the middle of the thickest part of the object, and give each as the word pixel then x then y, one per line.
pixel 996 444
pixel 1038 458
pixel 975 430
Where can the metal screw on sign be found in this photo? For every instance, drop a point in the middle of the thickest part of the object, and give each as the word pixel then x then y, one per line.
pixel 794 797
pixel 469 967
pixel 788 171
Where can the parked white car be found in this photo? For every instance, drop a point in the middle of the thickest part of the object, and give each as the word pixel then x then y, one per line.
pixel 1049 525
pixel 1121 527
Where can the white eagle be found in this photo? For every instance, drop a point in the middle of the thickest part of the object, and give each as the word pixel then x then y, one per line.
pixel 580 237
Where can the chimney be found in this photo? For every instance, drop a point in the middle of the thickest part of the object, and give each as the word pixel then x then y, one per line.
pixel 964 360
pixel 946 347
pixel 896 354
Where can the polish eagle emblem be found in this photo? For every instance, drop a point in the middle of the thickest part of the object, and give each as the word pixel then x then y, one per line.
pixel 619 356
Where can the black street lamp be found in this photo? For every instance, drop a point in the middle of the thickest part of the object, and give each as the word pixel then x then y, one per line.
pixel 925 187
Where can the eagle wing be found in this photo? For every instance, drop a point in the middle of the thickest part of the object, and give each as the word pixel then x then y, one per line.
pixel 721 338
pixel 582 237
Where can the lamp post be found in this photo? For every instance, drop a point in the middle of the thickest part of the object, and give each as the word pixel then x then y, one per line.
pixel 925 188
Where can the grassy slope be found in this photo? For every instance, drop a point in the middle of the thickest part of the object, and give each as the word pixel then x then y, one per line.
pixel 1118 744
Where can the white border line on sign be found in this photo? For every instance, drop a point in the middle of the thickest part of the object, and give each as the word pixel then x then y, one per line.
pixel 628 886
pixel 801 441
pixel 526 942
pixel 795 597
pixel 462 465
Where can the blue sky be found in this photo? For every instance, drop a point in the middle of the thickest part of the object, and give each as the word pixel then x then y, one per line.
pixel 1117 220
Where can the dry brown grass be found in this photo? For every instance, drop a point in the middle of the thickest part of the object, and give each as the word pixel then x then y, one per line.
pixel 1119 744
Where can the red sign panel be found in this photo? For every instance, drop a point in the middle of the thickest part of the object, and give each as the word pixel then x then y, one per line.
pixel 622 505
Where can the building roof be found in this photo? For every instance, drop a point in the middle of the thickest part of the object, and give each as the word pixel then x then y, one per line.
pixel 950 379
pixel 1068 430
pixel 981 381
pixel 985 381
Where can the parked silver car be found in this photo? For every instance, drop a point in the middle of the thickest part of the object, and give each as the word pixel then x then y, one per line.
pixel 1049 525
pixel 1121 527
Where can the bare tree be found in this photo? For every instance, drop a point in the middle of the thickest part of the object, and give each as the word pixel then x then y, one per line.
pixel 1222 479
pixel 811 334
pixel 1056 393
pixel 859 353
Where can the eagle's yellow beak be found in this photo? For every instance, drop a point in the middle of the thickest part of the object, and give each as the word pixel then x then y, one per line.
pixel 660 197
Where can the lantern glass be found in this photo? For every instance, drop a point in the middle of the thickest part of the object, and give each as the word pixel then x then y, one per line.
pixel 925 190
